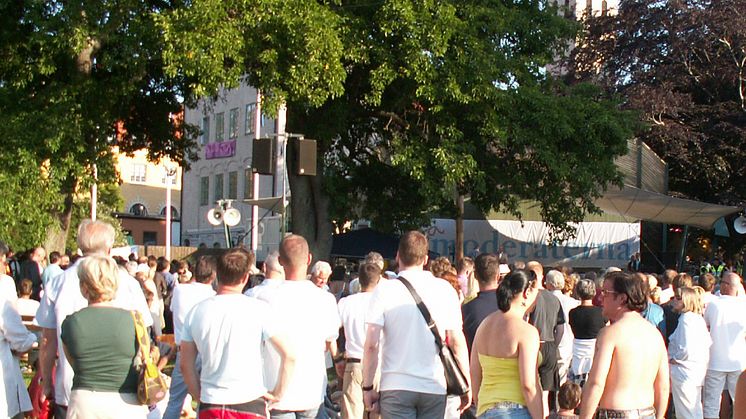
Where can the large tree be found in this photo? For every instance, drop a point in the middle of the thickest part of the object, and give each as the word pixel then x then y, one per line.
pixel 68 73
pixel 427 101
pixel 682 66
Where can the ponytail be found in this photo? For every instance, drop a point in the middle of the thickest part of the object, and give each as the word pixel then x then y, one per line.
pixel 514 284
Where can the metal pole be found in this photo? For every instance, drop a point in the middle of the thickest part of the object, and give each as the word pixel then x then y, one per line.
pixel 227 231
pixel 255 176
pixel 682 251
pixel 169 177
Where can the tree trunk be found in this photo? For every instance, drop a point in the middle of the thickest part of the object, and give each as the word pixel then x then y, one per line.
pixel 57 233
pixel 309 207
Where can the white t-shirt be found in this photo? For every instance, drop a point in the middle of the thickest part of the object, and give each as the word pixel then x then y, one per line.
pixel 353 310
pixel 306 318
pixel 726 318
pixel 62 298
pixel 8 289
pixel 689 346
pixel 260 289
pixel 27 306
pixel 666 295
pixel 228 331
pixel 410 358
pixel 185 297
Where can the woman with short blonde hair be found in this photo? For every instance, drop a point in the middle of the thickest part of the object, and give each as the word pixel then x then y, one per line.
pixel 689 353
pixel 100 344
pixel 98 277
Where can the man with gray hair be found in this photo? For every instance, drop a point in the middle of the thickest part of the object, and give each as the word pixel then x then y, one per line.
pixel 320 273
pixel 62 297
pixel 274 275
pixel 555 284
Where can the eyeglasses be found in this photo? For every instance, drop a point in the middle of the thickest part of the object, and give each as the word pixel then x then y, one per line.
pixel 607 292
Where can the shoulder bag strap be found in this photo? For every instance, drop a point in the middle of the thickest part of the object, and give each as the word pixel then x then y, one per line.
pixel 425 312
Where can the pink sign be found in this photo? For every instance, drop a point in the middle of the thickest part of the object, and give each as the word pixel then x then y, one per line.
pixel 218 150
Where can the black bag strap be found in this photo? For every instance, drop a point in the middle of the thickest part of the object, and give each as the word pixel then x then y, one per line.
pixel 425 312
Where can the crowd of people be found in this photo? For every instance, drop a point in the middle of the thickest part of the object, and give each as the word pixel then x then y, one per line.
pixel 290 338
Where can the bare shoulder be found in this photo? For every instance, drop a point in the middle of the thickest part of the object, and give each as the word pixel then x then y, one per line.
pixel 529 334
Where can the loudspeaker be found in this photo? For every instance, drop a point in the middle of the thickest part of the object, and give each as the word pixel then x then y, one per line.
pixel 263 156
pixel 305 157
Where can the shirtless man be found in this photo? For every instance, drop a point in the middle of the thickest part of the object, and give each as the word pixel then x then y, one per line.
pixel 629 377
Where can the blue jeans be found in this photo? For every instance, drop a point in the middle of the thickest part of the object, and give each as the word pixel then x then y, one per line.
pixel 506 413
pixel 178 390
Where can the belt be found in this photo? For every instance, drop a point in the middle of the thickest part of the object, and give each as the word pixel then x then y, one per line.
pixel 625 414
pixel 506 405
pixel 352 360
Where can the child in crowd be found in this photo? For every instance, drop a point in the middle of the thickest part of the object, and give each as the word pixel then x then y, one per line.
pixel 568 400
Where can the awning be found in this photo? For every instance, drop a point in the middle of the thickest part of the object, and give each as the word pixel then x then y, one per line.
pixel 639 204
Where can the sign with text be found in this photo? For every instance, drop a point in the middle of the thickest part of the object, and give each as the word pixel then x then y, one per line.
pixel 219 150
pixel 597 244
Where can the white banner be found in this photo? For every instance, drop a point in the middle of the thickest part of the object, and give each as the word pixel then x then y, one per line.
pixel 597 244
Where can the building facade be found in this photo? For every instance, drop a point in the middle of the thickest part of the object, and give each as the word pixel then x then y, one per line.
pixel 229 125
pixel 145 187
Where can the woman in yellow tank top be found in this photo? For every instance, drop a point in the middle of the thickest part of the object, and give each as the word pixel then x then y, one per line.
pixel 505 355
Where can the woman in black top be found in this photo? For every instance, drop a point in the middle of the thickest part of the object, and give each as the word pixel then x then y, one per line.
pixel 585 321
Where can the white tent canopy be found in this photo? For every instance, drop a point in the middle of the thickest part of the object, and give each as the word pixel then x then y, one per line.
pixel 639 204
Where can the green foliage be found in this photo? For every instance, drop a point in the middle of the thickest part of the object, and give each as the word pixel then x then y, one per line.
pixel 68 73
pixel 109 201
pixel 291 49
pixel 454 97
pixel 28 200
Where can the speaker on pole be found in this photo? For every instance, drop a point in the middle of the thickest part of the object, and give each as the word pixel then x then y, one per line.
pixel 305 156
pixel 263 156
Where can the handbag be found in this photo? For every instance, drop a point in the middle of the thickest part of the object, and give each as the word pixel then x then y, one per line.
pixel 456 383
pixel 151 387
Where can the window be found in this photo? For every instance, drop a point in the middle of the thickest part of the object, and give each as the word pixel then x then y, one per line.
pixel 204 190
pixel 204 136
pixel 138 173
pixel 233 124
pixel 139 209
pixel 233 185
pixel 174 212
pixel 218 187
pixel 249 118
pixel 149 237
pixel 220 127
pixel 248 184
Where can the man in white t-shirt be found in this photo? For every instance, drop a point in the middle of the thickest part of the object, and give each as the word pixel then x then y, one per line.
pixel 227 332
pixel 353 310
pixel 274 275
pixel 412 376
pixel 185 297
pixel 725 319
pixel 62 298
pixel 308 316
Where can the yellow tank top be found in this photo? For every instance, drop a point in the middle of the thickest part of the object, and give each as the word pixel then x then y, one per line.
pixel 501 382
